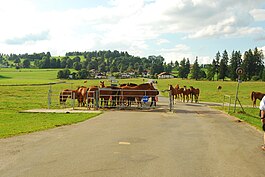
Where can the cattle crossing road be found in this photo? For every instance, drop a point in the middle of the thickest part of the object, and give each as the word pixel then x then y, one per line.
pixel 194 141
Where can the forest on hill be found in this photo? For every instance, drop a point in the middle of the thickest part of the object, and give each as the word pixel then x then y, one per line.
pixel 86 64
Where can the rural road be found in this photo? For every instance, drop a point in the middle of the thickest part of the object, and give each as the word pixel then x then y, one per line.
pixel 194 141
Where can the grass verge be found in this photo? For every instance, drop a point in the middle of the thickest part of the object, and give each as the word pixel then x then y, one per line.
pixel 251 115
pixel 14 124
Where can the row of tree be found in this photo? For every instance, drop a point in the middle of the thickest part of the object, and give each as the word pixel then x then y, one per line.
pixel 222 67
pixel 252 64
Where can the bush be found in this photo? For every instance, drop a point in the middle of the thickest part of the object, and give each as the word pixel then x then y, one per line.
pixel 255 78
pixel 117 75
pixel 83 74
pixel 63 74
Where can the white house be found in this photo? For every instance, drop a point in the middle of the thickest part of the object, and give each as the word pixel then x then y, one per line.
pixel 100 76
pixel 164 75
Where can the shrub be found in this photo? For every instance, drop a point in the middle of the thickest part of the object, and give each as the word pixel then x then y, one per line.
pixel 255 78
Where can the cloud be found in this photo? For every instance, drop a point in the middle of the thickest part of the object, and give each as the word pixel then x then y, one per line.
pixel 181 51
pixel 28 38
pixel 258 14
pixel 260 38
pixel 178 52
pixel 162 41
pixel 125 25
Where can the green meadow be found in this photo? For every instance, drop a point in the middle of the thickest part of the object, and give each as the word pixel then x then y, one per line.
pixel 27 95
pixel 210 93
pixel 14 99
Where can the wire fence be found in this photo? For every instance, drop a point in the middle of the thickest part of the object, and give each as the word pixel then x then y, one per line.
pixel 103 98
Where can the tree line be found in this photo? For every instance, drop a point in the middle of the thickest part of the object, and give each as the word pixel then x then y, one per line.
pixel 222 66
pixel 252 63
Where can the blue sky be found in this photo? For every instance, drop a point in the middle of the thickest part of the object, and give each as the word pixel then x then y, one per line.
pixel 172 28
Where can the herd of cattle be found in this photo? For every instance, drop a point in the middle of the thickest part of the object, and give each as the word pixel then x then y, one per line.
pixel 111 96
pixel 185 94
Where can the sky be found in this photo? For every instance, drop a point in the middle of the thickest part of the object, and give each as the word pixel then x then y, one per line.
pixel 173 29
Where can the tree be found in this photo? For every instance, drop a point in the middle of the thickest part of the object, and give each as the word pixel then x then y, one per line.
pixel 235 62
pixel 176 65
pixel 140 69
pixel 45 62
pixel 168 67
pixel 153 70
pixel 60 74
pixel 114 68
pixel 63 74
pixel 263 75
pixel 77 59
pixel 253 63
pixel 48 54
pixel 136 66
pixel 69 63
pixel 66 73
pixel 58 63
pixel 83 74
pixel 211 70
pixel 1 58
pixel 63 62
pixel 53 63
pixel 248 65
pixel 17 60
pixel 258 59
pixel 182 68
pixel 195 72
pixel 102 68
pixel 77 66
pixel 122 67
pixel 157 64
pixel 187 68
pixel 217 60
pixel 26 63
pixel 223 68
pixel 202 74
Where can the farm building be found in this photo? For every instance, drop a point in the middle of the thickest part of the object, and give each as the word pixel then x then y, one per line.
pixel 165 75
pixel 100 76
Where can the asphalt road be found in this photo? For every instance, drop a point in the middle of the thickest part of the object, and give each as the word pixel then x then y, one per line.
pixel 193 141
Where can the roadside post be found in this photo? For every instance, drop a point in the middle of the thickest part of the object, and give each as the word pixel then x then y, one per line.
pixel 145 100
pixel 239 72
pixel 170 101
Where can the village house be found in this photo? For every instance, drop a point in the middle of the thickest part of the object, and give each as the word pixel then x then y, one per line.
pixel 165 75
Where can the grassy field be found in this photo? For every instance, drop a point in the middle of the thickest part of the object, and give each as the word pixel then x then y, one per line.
pixel 18 98
pixel 209 92
pixel 14 99
pixel 27 76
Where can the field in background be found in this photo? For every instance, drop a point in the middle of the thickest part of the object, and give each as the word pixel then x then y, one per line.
pixel 210 93
pixel 14 99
